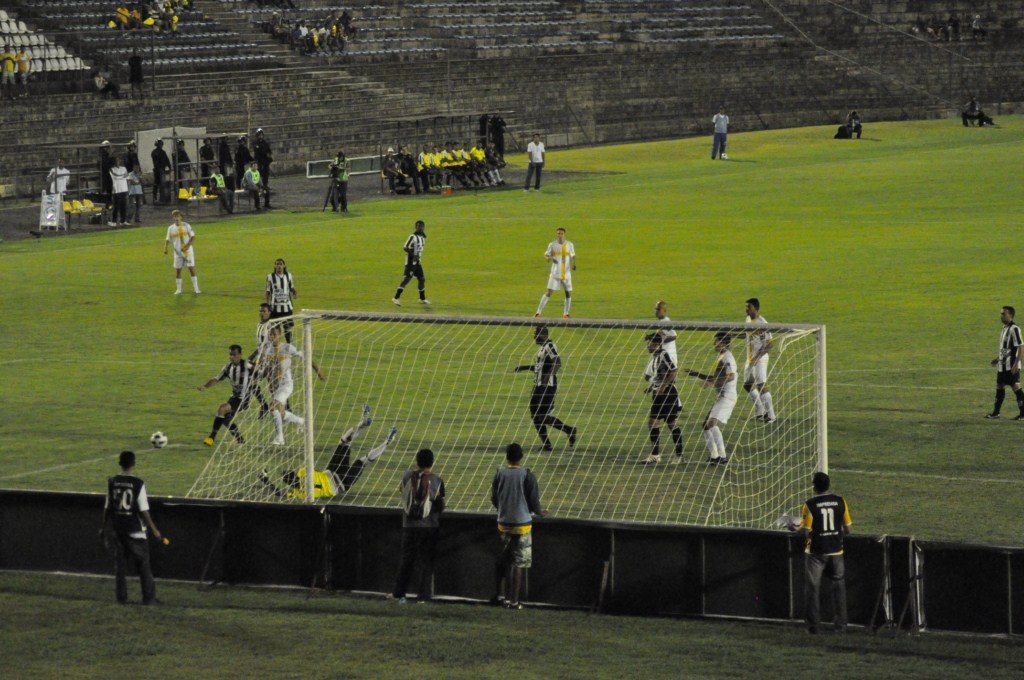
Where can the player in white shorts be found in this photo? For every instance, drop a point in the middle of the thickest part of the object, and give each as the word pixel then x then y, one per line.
pixel 276 365
pixel 181 237
pixel 723 379
pixel 755 371
pixel 562 256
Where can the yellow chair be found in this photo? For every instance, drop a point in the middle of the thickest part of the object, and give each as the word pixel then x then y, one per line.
pixel 76 207
pixel 90 207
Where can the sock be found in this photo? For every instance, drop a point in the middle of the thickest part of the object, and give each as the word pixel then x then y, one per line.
pixel 719 441
pixel 655 437
pixel 217 422
pixel 769 407
pixel 566 305
pixel 1020 400
pixel 278 427
pixel 195 283
pixel 233 429
pixel 709 437
pixel 543 303
pixel 677 437
pixel 423 293
pixel 398 293
pixel 290 417
pixel 375 453
pixel 755 396
pixel 1000 395
pixel 177 282
pixel 542 432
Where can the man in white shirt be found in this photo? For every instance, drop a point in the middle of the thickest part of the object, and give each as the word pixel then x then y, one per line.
pixel 535 155
pixel 181 237
pixel 721 123
pixel 119 186
pixel 668 336
pixel 58 178
pixel 562 256
pixel 723 379
pixel 755 372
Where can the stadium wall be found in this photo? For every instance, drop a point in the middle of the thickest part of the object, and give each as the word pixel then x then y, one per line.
pixel 646 570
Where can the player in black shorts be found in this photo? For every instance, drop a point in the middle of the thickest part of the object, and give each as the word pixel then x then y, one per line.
pixel 237 371
pixel 1007 363
pixel 661 373
pixel 545 369
pixel 414 246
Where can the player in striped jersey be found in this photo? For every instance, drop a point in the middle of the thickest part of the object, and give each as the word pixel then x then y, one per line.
pixel 755 371
pixel 414 246
pixel 723 379
pixel 262 328
pixel 1007 363
pixel 661 373
pixel 276 366
pixel 279 293
pixel 545 369
pixel 237 371
pixel 181 237
pixel 668 336
pixel 562 256
pixel 340 475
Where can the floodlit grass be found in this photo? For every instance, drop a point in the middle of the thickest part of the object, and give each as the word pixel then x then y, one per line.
pixel 902 243
pixel 71 627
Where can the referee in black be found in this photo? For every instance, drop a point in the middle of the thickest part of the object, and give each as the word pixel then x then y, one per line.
pixel 126 513
pixel 824 520
pixel 545 369
pixel 1008 364
pixel 414 246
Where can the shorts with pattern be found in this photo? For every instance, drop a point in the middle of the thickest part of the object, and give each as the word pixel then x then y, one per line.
pixel 517 549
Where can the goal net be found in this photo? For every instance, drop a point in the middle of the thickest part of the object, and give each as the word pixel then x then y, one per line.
pixel 450 384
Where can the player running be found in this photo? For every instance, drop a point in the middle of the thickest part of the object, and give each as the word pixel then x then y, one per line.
pixel 545 369
pixel 238 372
pixel 413 248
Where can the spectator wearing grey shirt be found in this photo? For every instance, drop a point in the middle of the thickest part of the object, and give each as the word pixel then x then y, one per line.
pixel 721 122
pixel 516 495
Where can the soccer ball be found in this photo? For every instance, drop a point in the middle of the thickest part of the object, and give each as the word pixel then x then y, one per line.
pixel 158 440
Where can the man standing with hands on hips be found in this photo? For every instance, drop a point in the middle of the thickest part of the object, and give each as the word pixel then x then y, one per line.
pixel 535 155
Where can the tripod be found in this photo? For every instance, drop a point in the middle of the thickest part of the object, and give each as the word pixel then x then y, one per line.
pixel 336 193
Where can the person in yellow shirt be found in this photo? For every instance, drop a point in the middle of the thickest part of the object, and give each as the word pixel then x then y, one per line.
pixel 8 65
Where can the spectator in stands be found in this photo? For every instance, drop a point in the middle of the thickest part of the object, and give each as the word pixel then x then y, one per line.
pixel 105 87
pixel 242 159
pixel 24 59
pixel 207 154
pixel 136 194
pixel 226 162
pixel 535 156
pixel 119 187
pixel 135 76
pixel 58 178
pixel 8 67
pixel 977 30
pixel 972 112
pixel 853 124
pixel 721 123
pixel 251 183
pixel 423 168
pixel 161 171
pixel 121 17
pixel 261 152
pixel 347 27
pixel 131 157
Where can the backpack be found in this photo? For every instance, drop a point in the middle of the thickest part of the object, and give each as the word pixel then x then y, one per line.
pixel 417 501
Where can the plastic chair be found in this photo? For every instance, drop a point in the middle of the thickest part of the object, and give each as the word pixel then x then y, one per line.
pixel 89 206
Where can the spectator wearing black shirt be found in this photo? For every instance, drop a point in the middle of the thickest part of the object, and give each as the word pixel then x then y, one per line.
pixel 135 77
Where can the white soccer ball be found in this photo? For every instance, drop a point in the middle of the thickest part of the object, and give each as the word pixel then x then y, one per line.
pixel 158 440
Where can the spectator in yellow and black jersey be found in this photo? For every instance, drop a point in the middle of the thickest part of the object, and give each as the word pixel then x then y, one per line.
pixel 8 66
pixel 824 520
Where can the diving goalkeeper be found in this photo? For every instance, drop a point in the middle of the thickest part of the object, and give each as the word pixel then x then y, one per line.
pixel 340 475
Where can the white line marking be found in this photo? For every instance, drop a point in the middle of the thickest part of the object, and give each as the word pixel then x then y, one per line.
pixel 901 474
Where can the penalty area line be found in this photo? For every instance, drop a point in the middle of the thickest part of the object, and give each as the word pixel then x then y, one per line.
pixel 921 475
pixel 77 463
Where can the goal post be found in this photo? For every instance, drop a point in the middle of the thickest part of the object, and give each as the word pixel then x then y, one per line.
pixel 449 383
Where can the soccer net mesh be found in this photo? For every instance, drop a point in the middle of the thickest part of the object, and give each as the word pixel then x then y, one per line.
pixel 448 384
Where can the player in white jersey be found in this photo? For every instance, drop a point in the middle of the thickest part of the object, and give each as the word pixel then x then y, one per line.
pixel 668 336
pixel 562 256
pixel 181 237
pixel 723 379
pixel 755 371
pixel 276 359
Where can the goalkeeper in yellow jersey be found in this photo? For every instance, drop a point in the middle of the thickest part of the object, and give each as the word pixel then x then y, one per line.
pixel 340 475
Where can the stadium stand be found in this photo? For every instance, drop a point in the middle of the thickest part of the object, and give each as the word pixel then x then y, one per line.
pixel 596 70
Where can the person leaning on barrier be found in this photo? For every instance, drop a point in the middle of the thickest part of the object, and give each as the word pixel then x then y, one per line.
pixel 340 169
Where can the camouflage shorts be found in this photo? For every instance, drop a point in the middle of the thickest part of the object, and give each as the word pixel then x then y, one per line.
pixel 518 549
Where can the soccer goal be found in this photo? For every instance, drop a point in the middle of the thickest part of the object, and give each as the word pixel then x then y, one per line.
pixel 450 384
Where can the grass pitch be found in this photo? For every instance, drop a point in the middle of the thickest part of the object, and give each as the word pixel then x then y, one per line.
pixel 903 243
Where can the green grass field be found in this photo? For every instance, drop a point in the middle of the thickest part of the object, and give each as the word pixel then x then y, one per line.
pixel 902 243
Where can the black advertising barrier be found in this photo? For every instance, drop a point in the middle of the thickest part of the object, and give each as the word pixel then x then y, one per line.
pixel 616 568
